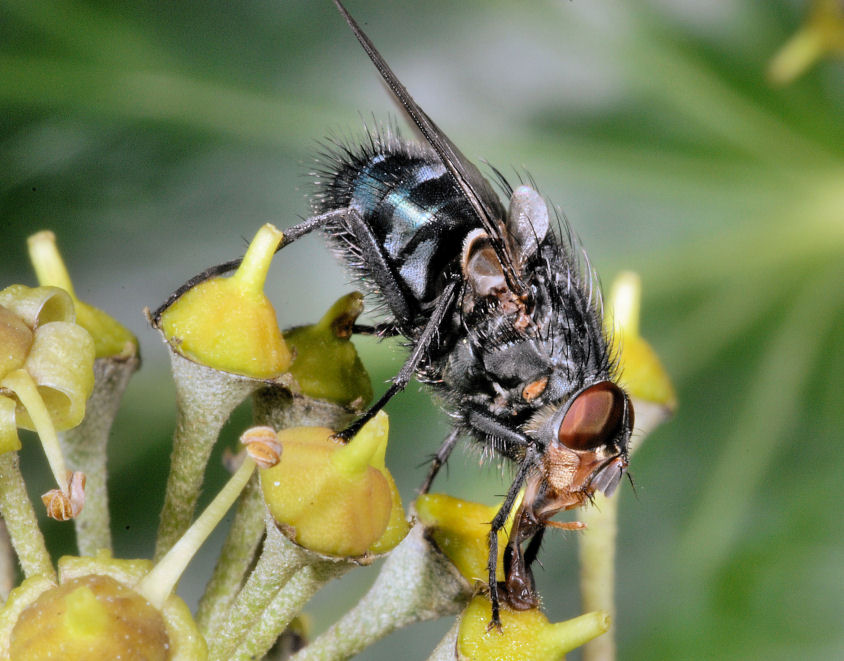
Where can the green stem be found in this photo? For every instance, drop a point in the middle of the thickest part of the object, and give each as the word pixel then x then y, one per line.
pixel 279 560
pixel 597 542
pixel 286 604
pixel 85 449
pixel 7 563
pixel 205 399
pixel 597 570
pixel 416 583
pixel 17 512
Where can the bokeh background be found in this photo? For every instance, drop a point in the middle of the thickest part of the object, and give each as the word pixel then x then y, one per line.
pixel 155 137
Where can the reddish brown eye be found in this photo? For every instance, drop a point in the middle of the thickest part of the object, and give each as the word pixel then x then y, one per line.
pixel 593 418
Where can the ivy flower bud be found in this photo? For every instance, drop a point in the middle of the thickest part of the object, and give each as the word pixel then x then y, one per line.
pixel 111 338
pixel 461 531
pixel 228 323
pixel 96 612
pixel 643 375
pixel 524 636
pixel 327 365
pixel 822 35
pixel 334 498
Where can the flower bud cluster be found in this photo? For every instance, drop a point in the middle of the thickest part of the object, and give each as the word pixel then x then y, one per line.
pixel 309 505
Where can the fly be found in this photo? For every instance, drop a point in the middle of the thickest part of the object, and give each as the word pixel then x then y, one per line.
pixel 504 323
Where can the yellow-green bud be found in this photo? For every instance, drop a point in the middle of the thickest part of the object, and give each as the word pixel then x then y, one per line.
pixel 327 365
pixel 461 531
pixel 92 617
pixel 336 498
pixel 228 323
pixel 524 635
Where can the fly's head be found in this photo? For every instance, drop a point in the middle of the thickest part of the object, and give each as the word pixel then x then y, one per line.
pixel 585 449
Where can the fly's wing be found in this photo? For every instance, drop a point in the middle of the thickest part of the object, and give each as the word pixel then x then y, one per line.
pixel 468 178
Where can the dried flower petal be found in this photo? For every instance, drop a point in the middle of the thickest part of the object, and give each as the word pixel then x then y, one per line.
pixel 262 445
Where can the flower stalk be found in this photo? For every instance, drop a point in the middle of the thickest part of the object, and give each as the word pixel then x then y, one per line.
pixel 21 521
pixel 224 344
pixel 416 583
pixel 654 401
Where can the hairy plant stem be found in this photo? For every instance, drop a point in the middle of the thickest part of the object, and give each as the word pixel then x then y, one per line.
pixel 236 556
pixel 286 604
pixel 280 559
pixel 7 562
pixel 84 447
pixel 205 399
pixel 21 521
pixel 416 583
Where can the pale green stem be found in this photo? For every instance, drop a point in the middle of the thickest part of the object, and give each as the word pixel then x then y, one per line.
pixel 597 542
pixel 416 583
pixel 286 604
pixel 160 582
pixel 21 521
pixel 205 399
pixel 7 562
pixel 235 558
pixel 279 560
pixel 86 449
pixel 597 570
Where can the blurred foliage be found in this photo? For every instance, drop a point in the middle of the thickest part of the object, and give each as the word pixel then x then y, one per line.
pixel 151 137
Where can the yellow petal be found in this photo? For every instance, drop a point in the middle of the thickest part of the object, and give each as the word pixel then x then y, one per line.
pixel 15 341
pixel 61 363
pixel 461 530
pixel 38 305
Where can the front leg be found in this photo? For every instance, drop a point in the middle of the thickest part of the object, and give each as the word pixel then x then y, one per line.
pixel 525 468
pixel 446 300
pixel 288 236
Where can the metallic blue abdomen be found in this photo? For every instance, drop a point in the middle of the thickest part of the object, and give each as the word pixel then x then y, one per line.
pixel 413 224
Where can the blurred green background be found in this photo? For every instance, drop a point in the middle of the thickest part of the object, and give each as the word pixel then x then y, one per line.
pixel 155 137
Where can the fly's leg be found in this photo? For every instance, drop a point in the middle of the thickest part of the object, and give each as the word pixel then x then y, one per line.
pixel 380 330
pixel 527 465
pixel 401 379
pixel 439 459
pixel 290 235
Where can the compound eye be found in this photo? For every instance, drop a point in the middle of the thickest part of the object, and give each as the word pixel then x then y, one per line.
pixel 594 417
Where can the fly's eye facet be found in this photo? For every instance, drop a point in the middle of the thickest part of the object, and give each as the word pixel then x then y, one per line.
pixel 594 417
